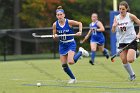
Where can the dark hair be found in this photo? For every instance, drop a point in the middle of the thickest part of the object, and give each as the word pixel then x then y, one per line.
pixel 124 3
pixel 59 7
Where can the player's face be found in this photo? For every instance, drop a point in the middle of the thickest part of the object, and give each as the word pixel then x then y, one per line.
pixel 122 9
pixel 94 17
pixel 60 16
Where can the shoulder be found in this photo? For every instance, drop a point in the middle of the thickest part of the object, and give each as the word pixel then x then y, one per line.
pixel 99 22
pixel 132 16
pixel 69 20
pixel 90 24
pixel 54 24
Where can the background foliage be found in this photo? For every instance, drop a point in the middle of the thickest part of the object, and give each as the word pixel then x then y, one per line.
pixel 15 14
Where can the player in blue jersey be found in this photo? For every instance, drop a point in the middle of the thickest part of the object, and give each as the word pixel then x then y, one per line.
pixel 67 44
pixel 97 37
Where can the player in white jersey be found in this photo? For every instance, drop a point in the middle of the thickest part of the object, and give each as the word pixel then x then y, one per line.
pixel 123 24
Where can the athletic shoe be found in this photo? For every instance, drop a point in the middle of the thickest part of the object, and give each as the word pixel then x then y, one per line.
pixel 71 81
pixel 84 52
pixel 91 62
pixel 132 77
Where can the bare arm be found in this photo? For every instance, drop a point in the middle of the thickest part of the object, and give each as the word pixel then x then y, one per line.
pixel 138 35
pixel 101 27
pixel 54 30
pixel 136 20
pixel 86 37
pixel 76 23
pixel 114 25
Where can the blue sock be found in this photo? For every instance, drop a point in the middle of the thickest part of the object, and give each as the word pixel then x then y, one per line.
pixel 92 56
pixel 105 51
pixel 68 71
pixel 76 56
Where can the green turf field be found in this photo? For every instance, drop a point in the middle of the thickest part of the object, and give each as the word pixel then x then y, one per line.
pixel 103 77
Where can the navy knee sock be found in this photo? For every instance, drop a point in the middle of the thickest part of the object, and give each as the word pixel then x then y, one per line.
pixel 68 71
pixel 92 56
pixel 76 56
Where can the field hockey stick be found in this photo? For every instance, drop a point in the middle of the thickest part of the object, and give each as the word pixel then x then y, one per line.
pixel 112 58
pixel 45 36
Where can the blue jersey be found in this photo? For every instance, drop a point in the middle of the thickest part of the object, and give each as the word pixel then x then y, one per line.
pixel 96 36
pixel 66 43
pixel 65 29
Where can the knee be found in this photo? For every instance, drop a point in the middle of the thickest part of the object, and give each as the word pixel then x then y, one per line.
pixel 93 49
pixel 131 60
pixel 71 63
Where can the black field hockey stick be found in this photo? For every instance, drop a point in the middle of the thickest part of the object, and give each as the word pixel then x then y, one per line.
pixel 121 50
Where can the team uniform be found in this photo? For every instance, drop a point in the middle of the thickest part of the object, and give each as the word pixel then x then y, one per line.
pixel 66 42
pixel 96 36
pixel 126 32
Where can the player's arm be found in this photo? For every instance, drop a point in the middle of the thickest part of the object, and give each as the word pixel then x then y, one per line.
pixel 76 23
pixel 54 30
pixel 136 20
pixel 101 27
pixel 86 37
pixel 115 23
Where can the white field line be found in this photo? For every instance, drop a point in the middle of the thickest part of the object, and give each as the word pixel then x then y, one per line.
pixel 81 81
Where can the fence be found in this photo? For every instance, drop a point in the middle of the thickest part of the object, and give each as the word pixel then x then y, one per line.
pixel 20 44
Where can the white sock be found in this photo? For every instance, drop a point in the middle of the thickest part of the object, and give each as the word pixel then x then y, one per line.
pixel 129 68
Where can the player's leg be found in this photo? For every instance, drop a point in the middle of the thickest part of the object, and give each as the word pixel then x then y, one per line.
pixel 127 65
pixel 104 51
pixel 72 56
pixel 67 69
pixel 93 47
pixel 131 56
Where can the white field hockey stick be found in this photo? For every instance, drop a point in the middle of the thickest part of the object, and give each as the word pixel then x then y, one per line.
pixel 45 36
pixel 121 50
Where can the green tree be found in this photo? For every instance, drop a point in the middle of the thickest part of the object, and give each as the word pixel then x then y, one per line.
pixel 41 13
pixel 38 13
pixel 6 14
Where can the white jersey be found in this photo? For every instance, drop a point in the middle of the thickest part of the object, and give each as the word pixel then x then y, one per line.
pixel 125 29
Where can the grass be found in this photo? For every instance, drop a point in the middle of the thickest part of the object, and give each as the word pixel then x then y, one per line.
pixel 103 77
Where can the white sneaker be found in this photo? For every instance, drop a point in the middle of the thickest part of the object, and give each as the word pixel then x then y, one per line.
pixel 71 81
pixel 84 52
